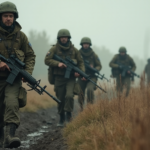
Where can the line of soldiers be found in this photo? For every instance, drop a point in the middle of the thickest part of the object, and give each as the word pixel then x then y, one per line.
pixel 15 42
pixel 64 88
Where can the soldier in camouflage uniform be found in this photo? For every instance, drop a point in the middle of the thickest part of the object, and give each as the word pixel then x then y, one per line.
pixel 88 55
pixel 64 87
pixel 124 59
pixel 12 42
pixel 147 71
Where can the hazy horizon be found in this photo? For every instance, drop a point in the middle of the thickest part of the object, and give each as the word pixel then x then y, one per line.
pixel 108 23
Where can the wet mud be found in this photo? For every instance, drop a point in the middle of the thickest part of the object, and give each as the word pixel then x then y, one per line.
pixel 38 131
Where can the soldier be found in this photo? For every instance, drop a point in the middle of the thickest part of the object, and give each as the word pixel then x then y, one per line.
pixel 88 55
pixel 147 71
pixel 124 59
pixel 64 87
pixel 12 42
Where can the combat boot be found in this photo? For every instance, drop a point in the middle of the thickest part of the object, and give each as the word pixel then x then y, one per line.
pixel 10 141
pixel 1 137
pixel 68 117
pixel 62 120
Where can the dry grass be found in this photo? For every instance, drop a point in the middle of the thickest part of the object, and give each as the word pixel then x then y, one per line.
pixel 119 124
pixel 36 101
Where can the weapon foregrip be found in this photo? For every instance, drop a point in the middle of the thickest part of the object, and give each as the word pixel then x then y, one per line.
pixel 28 77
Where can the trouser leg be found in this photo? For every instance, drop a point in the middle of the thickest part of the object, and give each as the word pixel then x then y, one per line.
pixel 11 113
pixel 90 92
pixel 81 96
pixel 119 86
pixel 69 101
pixel 127 85
pixel 60 93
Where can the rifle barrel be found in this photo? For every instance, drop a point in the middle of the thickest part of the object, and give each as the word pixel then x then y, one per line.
pixel 97 85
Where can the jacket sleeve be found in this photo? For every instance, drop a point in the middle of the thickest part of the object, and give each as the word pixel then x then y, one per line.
pixel 80 62
pixel 112 63
pixel 98 65
pixel 29 53
pixel 49 61
pixel 133 65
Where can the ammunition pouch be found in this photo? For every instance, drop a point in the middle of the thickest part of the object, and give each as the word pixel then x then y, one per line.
pixel 22 98
pixel 20 55
pixel 115 72
pixel 51 76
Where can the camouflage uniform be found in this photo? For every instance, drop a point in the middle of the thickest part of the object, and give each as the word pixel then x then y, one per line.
pixel 147 71
pixel 90 56
pixel 64 87
pixel 15 43
pixel 122 81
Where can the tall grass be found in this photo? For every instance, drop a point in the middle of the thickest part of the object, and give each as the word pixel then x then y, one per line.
pixel 36 101
pixel 117 124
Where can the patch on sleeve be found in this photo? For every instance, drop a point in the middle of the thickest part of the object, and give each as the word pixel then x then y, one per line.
pixel 30 44
pixel 48 53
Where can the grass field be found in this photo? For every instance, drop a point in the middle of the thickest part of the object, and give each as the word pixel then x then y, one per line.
pixel 117 124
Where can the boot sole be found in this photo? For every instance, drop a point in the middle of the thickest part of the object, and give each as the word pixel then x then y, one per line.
pixel 14 144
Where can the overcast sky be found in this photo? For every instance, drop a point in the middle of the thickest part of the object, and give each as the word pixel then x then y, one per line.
pixel 109 23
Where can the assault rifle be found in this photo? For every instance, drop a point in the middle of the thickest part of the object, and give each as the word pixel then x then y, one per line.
pixel 17 70
pixel 94 71
pixel 72 67
pixel 124 69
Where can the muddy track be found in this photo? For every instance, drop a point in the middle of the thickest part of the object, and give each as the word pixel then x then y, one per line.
pixel 38 131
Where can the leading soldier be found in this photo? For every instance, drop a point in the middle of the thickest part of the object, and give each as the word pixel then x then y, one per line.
pixel 89 55
pixel 12 42
pixel 64 87
pixel 124 59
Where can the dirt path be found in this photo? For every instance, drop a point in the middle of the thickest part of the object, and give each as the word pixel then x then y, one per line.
pixel 38 131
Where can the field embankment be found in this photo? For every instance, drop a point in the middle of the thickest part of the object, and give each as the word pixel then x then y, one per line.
pixel 119 124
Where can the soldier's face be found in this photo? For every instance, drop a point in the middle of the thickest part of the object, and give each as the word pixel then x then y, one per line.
pixel 86 46
pixel 64 40
pixel 122 54
pixel 8 19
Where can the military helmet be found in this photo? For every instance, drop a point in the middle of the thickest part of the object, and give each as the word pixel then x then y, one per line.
pixel 86 40
pixel 122 49
pixel 8 7
pixel 63 33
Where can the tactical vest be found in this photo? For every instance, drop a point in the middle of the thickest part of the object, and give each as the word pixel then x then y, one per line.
pixel 52 72
pixel 126 62
pixel 11 45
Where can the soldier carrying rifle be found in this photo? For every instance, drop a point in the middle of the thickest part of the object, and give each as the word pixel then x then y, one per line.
pixel 123 67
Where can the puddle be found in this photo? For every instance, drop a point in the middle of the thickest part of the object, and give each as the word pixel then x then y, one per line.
pixel 33 137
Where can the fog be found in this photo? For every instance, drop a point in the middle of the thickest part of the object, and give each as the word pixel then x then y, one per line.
pixel 109 23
